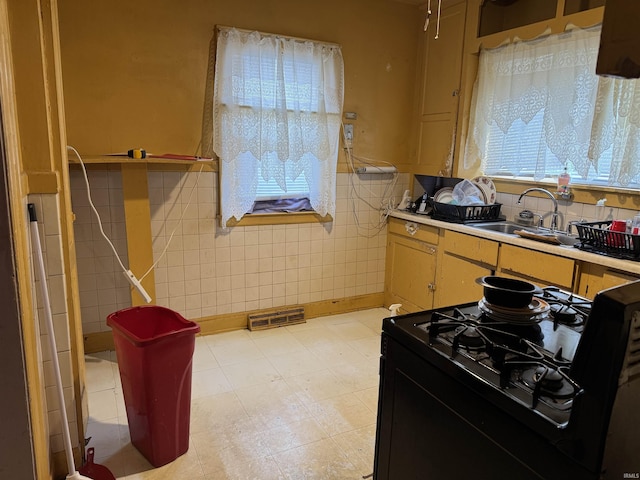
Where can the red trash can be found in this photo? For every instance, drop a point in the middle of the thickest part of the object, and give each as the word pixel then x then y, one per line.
pixel 154 347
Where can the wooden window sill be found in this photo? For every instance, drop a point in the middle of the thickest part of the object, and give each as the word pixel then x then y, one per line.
pixel 284 218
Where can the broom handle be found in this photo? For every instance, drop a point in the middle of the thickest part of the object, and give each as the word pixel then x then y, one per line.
pixel 35 235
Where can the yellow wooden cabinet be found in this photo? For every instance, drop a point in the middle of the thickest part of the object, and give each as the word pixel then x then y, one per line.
pixel 440 92
pixel 595 278
pixel 619 53
pixel 461 260
pixel 410 265
pixel 539 268
pixel 428 267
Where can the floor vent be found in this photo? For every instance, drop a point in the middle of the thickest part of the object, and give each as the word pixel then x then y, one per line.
pixel 275 318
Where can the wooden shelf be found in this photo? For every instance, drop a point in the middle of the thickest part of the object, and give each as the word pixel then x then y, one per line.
pixel 209 165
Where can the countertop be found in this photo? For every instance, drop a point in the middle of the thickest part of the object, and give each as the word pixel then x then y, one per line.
pixel 559 250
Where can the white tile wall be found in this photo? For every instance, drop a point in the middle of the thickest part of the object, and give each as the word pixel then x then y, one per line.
pixel 208 270
pixel 47 212
pixel 103 288
pixel 568 210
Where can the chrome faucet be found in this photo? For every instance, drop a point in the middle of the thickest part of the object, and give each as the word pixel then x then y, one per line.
pixel 554 215
pixel 572 223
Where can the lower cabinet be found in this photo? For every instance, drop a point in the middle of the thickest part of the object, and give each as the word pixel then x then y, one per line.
pixel 410 265
pixel 540 268
pixel 461 260
pixel 594 278
pixel 428 267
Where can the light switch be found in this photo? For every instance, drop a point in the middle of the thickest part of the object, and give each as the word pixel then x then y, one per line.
pixel 348 135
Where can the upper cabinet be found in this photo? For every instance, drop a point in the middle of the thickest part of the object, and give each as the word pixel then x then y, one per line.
pixel 576 6
pixel 439 95
pixel 619 53
pixel 500 15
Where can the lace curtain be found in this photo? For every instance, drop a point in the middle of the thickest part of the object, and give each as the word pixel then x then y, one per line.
pixel 616 126
pixel 277 108
pixel 553 74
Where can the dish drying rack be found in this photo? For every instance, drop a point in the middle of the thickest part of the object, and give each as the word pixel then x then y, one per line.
pixel 448 212
pixel 596 237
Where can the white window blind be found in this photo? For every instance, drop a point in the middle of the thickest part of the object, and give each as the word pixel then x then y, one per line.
pixel 518 153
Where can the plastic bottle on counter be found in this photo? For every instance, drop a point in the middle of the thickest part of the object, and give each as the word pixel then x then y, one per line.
pixel 423 203
pixel 600 209
pixel 563 181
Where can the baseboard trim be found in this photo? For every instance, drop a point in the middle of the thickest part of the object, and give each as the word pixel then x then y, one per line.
pixel 102 341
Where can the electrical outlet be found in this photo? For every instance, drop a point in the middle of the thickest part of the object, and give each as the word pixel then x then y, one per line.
pixel 348 135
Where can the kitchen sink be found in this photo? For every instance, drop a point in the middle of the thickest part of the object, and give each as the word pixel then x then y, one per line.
pixel 501 227
pixel 568 240
pixel 537 234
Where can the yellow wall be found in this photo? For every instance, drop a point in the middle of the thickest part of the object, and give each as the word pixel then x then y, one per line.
pixel 134 72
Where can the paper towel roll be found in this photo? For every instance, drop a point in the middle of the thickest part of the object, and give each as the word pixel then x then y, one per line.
pixel 375 169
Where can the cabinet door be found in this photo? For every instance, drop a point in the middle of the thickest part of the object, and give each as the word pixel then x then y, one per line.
pixel 456 283
pixel 619 53
pixel 543 269
pixel 410 273
pixel 440 89
pixel 595 278
pixel 462 259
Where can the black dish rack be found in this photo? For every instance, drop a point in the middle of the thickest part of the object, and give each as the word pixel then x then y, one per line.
pixel 596 237
pixel 465 213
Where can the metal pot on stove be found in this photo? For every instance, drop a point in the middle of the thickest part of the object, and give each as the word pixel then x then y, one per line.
pixel 508 292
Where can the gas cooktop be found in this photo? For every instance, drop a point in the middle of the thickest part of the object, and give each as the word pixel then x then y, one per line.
pixel 524 353
pixel 548 391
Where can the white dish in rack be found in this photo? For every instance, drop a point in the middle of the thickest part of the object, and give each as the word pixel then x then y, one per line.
pixel 444 195
pixel 488 189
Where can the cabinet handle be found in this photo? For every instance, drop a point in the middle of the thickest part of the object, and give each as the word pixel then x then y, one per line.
pixel 411 228
pixel 431 286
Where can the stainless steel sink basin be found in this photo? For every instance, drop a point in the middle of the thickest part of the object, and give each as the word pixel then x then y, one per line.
pixel 568 240
pixel 501 227
pixel 508 228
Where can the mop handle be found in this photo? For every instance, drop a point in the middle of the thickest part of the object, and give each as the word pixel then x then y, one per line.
pixel 35 235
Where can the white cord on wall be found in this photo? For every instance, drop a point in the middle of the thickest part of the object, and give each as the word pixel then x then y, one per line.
pixel 386 204
pixel 164 251
pixel 131 278
pixel 135 282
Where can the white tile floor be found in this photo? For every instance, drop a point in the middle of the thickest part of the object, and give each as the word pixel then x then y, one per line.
pixel 296 402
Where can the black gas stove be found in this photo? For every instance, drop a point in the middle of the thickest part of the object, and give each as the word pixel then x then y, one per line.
pixel 542 392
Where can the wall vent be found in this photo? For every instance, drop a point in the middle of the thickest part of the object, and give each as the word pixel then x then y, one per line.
pixel 275 318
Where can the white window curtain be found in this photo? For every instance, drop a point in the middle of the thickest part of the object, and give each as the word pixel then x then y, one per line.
pixel 554 77
pixel 541 104
pixel 277 109
pixel 616 130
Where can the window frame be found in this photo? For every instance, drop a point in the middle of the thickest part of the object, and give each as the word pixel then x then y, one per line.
pixel 332 109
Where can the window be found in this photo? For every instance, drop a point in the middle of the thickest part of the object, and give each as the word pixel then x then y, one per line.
pixel 277 106
pixel 539 107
